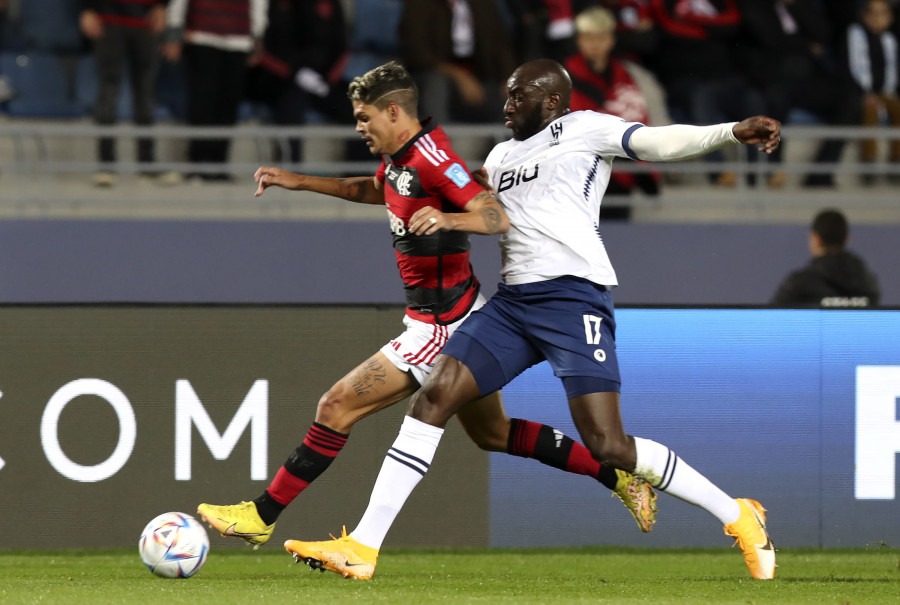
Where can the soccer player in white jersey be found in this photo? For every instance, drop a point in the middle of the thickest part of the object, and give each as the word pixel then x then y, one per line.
pixel 555 304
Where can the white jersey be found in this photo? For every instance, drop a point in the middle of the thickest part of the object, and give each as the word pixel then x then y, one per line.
pixel 551 186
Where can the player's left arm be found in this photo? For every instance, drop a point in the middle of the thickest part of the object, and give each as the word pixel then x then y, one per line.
pixel 683 142
pixel 483 215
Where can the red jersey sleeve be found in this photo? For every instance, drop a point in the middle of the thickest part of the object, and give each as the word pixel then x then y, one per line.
pixel 451 180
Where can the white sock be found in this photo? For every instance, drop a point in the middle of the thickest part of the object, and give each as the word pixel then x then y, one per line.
pixel 404 466
pixel 661 468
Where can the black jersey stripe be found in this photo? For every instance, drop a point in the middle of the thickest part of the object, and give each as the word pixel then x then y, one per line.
pixel 437 301
pixel 436 244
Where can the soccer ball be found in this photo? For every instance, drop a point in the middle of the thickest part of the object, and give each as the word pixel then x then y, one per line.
pixel 174 545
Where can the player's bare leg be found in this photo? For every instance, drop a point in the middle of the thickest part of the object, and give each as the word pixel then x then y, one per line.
pixel 371 386
pixel 487 424
pixel 599 423
pixel 407 461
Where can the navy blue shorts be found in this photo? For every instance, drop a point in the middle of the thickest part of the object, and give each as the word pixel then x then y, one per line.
pixel 568 321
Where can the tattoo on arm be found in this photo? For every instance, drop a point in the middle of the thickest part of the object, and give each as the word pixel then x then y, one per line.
pixel 369 377
pixel 492 218
pixel 354 189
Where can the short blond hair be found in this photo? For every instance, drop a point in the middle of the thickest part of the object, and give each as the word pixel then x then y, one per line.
pixel 595 20
pixel 388 83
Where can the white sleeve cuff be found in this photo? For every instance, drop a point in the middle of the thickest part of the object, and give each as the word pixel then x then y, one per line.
pixel 679 141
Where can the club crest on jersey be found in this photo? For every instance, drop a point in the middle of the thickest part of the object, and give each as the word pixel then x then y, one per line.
pixel 522 174
pixel 556 131
pixel 458 175
pixel 403 181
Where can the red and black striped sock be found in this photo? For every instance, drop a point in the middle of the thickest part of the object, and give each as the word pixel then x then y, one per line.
pixel 551 447
pixel 319 449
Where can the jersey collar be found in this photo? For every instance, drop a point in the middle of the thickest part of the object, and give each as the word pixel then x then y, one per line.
pixel 427 127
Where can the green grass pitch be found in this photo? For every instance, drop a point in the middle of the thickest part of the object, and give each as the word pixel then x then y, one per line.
pixel 521 576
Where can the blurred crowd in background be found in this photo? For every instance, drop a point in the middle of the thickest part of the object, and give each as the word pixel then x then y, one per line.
pixel 218 62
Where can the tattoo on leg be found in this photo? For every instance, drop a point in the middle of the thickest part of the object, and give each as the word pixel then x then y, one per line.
pixel 369 377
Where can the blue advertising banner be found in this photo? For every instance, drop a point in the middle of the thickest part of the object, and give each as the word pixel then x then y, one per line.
pixel 794 408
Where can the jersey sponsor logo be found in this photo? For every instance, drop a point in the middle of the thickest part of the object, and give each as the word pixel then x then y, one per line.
pixel 522 174
pixel 397 226
pixel 458 175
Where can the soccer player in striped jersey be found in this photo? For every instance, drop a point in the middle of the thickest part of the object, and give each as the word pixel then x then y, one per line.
pixel 555 304
pixel 433 204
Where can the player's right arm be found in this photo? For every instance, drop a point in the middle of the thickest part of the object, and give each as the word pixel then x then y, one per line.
pixel 483 215
pixel 359 189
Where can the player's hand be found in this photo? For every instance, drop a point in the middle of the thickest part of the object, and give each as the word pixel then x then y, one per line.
pixel 156 19
pixel 171 51
pixel 267 176
pixel 429 220
pixel 481 177
pixel 761 130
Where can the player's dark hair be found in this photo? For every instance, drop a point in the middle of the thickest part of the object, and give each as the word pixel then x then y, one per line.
pixel 831 226
pixel 388 83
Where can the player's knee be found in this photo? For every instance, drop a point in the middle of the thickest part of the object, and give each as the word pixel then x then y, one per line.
pixel 333 411
pixel 430 402
pixel 611 450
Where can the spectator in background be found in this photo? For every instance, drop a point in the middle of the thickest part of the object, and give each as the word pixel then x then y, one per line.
pixel 602 83
pixel 459 54
pixel 697 66
pixel 123 33
pixel 786 53
pixel 840 14
pixel 6 88
pixel 526 22
pixel 637 41
pixel 835 277
pixel 559 32
pixel 304 53
pixel 218 40
pixel 540 28
pixel 637 38
pixel 872 60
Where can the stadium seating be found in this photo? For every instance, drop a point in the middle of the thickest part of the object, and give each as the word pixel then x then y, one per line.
pixel 44 84
pixel 50 25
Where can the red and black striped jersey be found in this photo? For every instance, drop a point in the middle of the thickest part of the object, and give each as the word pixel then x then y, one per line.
pixel 127 13
pixel 220 17
pixel 437 275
